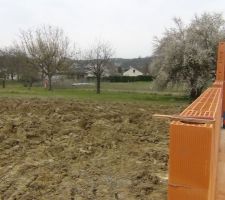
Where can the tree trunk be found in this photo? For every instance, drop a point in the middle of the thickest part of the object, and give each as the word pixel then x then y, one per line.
pixel 42 79
pixel 192 94
pixel 98 85
pixel 199 91
pixel 3 83
pixel 195 92
pixel 30 84
pixel 49 83
pixel 192 87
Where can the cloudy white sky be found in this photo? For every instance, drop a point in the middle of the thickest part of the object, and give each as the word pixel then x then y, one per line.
pixel 129 25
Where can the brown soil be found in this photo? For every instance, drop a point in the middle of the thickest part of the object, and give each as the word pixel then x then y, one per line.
pixel 64 149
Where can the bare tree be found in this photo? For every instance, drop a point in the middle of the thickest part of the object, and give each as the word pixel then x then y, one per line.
pixel 99 57
pixel 48 48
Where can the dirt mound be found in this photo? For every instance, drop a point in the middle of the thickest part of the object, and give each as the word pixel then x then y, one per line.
pixel 64 149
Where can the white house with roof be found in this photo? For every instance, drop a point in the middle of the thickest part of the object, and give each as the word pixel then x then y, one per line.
pixel 132 72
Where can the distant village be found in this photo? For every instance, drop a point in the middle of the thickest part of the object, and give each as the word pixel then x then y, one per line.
pixel 80 71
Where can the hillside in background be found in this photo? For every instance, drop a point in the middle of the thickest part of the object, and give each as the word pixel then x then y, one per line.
pixel 120 65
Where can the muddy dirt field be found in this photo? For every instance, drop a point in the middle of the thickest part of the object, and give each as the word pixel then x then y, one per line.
pixel 73 150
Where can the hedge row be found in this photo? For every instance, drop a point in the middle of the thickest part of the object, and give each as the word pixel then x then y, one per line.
pixel 127 78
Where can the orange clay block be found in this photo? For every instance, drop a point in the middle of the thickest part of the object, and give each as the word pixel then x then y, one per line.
pixel 220 186
pixel 220 62
pixel 190 155
pixel 220 74
pixel 194 150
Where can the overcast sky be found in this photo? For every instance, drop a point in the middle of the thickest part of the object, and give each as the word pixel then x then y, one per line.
pixel 129 25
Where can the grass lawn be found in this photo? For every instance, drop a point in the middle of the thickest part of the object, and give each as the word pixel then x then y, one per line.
pixel 129 87
pixel 137 87
pixel 129 92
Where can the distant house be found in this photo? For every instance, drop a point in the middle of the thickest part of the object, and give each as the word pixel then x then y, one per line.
pixel 132 72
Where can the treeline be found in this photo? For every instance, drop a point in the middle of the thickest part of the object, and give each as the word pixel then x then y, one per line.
pixel 128 78
pixel 14 64
pixel 39 54
pixel 43 52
